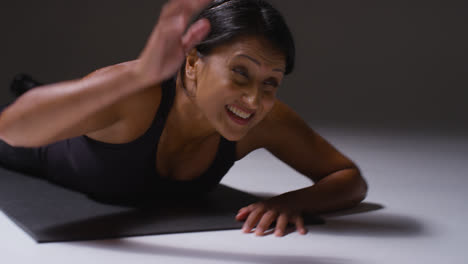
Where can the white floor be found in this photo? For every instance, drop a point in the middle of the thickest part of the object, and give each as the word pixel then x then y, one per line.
pixel 419 178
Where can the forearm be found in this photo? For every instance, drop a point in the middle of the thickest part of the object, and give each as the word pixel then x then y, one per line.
pixel 46 111
pixel 340 190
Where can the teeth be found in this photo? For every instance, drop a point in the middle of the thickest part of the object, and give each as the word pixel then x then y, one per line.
pixel 238 112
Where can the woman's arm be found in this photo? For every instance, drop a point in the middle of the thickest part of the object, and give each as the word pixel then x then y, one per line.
pixel 338 181
pixel 45 114
pixel 52 112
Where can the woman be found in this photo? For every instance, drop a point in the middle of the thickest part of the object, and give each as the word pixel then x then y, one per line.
pixel 198 98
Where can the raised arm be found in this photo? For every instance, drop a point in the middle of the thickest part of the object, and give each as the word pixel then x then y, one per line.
pixel 54 112
pixel 45 114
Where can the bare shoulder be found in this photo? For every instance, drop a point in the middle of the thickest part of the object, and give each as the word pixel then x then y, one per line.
pixel 269 129
pixel 136 114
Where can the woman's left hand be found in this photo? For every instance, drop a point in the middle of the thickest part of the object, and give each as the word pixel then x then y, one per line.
pixel 262 214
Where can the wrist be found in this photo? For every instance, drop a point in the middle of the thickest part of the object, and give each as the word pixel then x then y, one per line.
pixel 140 74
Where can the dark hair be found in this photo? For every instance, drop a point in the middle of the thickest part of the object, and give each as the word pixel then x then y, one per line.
pixel 231 19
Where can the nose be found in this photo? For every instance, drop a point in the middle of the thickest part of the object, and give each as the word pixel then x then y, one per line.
pixel 251 97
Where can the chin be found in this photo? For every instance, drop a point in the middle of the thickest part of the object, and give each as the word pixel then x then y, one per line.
pixel 234 132
pixel 233 137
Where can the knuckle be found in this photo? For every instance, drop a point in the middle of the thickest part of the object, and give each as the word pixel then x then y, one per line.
pixel 172 8
pixel 261 206
pixel 174 26
pixel 252 218
pixel 271 213
pixel 188 4
pixel 186 13
pixel 184 22
pixel 264 224
pixel 260 226
pixel 181 22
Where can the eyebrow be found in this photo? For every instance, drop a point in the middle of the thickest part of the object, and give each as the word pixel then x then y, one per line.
pixel 258 63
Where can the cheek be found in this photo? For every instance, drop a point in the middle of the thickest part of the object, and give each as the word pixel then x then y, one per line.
pixel 266 107
pixel 215 100
pixel 268 104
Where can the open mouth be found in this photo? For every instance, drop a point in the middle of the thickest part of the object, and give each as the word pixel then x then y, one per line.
pixel 238 116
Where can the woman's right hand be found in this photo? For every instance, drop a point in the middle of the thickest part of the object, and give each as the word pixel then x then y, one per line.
pixel 167 45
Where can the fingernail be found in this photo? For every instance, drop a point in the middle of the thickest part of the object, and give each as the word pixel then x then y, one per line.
pixel 259 232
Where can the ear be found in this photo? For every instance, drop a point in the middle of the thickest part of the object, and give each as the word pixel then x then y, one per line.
pixel 191 63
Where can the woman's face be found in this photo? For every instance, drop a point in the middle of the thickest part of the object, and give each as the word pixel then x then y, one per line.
pixel 236 85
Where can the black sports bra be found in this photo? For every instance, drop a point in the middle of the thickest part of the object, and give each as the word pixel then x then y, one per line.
pixel 114 171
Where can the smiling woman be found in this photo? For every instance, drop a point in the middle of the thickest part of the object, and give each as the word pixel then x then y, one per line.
pixel 243 75
pixel 174 121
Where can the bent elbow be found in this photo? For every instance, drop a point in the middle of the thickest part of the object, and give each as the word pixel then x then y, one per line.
pixel 360 190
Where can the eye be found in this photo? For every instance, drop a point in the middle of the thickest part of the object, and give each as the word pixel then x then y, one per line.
pixel 241 72
pixel 272 83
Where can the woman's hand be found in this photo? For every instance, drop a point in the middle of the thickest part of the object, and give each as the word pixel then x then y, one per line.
pixel 167 46
pixel 262 214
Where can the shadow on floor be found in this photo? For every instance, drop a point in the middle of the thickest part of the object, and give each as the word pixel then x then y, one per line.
pixel 372 225
pixel 366 219
pixel 363 207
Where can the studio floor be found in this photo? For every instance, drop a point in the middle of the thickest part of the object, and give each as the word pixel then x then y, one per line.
pixel 415 212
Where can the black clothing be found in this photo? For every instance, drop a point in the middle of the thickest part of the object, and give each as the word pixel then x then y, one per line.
pixel 115 171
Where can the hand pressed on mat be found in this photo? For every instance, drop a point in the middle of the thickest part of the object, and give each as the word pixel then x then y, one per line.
pixel 262 215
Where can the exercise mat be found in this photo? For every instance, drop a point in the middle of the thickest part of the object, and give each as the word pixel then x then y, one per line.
pixel 50 213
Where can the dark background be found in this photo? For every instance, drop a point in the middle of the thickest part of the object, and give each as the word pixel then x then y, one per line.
pixel 386 64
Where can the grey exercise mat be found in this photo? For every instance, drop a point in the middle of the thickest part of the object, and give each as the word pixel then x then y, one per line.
pixel 50 213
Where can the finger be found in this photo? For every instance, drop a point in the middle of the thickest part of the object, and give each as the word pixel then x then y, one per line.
pixel 265 222
pixel 281 225
pixel 187 8
pixel 243 213
pixel 252 220
pixel 195 5
pixel 246 208
pixel 195 34
pixel 299 221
